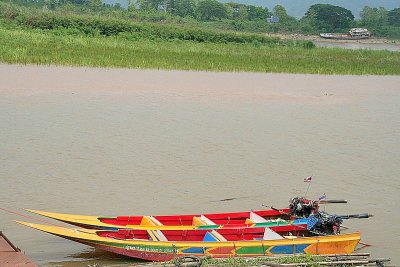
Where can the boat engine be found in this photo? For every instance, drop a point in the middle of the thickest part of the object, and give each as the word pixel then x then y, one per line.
pixel 303 208
pixel 322 223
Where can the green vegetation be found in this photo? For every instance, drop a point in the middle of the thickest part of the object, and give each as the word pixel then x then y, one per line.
pixel 312 260
pixel 69 47
pixel 102 25
pixel 32 35
pixel 381 22
pixel 233 16
pixel 328 18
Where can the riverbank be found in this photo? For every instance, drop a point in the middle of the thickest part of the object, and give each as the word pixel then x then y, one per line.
pixel 372 43
pixel 51 37
pixel 21 46
pixel 317 38
pixel 355 260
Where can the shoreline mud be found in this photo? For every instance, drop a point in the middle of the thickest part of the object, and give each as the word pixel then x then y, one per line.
pixel 373 43
pixel 372 40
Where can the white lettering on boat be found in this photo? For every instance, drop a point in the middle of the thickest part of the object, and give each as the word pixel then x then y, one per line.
pixel 148 249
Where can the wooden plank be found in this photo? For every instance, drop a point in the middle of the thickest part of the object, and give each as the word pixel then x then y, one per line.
pixel 11 255
pixel 15 259
pixel 5 246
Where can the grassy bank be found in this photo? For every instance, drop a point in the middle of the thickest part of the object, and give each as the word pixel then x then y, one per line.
pixel 42 36
pixel 311 260
pixel 103 25
pixel 27 46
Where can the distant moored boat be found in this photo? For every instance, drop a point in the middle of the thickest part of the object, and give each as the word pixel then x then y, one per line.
pixel 354 34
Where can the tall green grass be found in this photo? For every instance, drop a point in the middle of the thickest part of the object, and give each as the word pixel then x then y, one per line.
pixel 100 25
pixel 27 46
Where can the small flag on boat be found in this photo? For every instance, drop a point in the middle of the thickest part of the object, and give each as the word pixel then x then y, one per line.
pixel 308 179
pixel 323 197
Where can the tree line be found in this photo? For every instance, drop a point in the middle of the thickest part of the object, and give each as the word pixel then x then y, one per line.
pixel 241 17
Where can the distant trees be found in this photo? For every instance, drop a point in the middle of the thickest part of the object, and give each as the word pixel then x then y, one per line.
pixel 280 12
pixel 327 17
pixel 394 17
pixel 246 12
pixel 374 16
pixel 381 21
pixel 236 11
pixel 210 10
pixel 238 16
pixel 184 8
pixel 149 4
pixel 257 12
pixel 284 18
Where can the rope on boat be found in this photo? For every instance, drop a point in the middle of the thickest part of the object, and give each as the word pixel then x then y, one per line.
pixel 26 216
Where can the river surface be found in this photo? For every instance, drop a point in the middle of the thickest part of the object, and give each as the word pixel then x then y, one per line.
pixel 124 142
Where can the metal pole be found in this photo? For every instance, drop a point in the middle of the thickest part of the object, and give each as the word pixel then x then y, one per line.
pixel 308 187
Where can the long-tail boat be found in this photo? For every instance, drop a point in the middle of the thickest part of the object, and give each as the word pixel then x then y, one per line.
pixel 255 218
pixel 156 245
pixel 263 218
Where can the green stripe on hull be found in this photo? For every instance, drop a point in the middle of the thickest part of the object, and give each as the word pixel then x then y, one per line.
pixel 259 250
pixel 270 224
pixel 206 227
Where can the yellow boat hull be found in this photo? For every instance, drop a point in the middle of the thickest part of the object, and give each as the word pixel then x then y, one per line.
pixel 167 250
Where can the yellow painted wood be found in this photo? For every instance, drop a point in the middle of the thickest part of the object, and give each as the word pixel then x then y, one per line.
pixel 334 244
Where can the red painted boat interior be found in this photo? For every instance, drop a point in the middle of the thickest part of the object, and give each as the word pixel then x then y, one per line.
pixel 198 235
pixel 217 218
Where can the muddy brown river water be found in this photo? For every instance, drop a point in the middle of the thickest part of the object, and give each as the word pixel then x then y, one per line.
pixel 120 142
